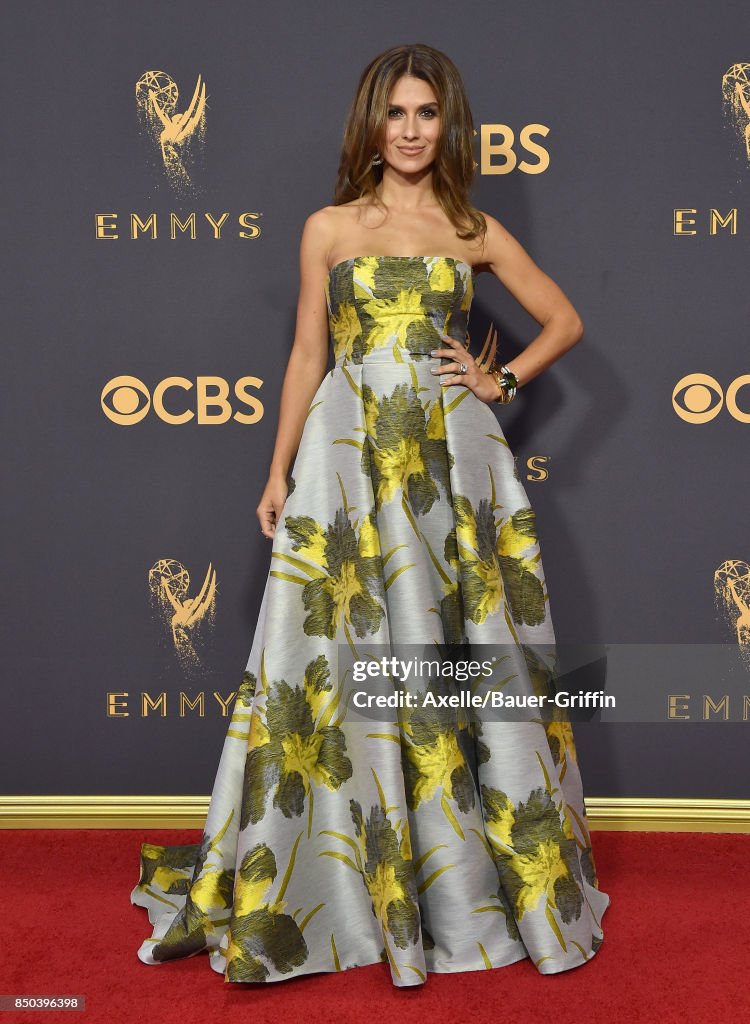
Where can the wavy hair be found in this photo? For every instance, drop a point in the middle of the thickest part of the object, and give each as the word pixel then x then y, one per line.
pixel 453 168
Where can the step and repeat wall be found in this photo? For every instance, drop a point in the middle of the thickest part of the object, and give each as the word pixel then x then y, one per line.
pixel 159 163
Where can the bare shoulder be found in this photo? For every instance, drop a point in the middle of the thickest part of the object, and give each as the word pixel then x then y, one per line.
pixel 318 234
pixel 321 222
pixel 330 216
pixel 325 226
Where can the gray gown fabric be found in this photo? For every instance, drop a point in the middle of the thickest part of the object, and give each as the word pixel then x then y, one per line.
pixel 429 842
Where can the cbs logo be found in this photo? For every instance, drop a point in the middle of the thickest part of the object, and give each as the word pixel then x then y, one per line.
pixel 498 144
pixel 126 400
pixel 703 398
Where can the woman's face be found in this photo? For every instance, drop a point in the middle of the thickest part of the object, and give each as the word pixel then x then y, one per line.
pixel 412 126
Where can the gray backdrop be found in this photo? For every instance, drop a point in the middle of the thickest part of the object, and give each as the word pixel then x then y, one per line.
pixel 639 508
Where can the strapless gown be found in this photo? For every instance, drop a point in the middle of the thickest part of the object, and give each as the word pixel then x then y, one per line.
pixel 331 840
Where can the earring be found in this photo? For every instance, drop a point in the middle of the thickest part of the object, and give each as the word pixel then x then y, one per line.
pixel 377 159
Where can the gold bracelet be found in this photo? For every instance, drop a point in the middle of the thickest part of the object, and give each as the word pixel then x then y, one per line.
pixel 502 397
pixel 506 381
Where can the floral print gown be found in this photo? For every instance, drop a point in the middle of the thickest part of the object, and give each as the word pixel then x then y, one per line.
pixel 333 841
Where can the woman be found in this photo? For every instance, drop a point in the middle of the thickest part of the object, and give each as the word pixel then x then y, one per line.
pixel 338 837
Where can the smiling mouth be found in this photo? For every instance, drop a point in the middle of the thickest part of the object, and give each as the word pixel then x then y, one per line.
pixel 411 152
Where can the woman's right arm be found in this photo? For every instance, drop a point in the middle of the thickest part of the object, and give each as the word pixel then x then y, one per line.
pixel 306 367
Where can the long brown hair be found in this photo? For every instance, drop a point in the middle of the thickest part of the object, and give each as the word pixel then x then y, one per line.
pixel 453 169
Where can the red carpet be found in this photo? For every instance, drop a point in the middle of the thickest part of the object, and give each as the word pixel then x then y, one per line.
pixel 676 946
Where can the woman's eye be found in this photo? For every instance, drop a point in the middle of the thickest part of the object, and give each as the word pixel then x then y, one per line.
pixel 430 113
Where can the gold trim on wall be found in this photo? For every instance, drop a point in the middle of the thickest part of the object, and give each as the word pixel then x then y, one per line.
pixel 624 814
pixel 667 814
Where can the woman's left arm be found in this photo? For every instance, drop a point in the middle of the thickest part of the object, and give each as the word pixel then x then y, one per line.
pixel 545 301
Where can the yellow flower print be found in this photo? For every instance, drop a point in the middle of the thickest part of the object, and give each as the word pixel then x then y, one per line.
pixel 436 764
pixel 309 538
pixel 568 830
pixel 499 817
pixel 517 535
pixel 466 525
pixel 405 450
pixel 345 583
pixel 563 743
pixel 369 538
pixel 498 829
pixel 165 876
pixel 388 875
pixel 405 844
pixel 258 731
pixel 434 759
pixel 491 592
pixel 372 411
pixel 301 749
pixel 441 276
pixel 538 872
pixel 318 687
pixel 209 892
pixel 396 466
pixel 301 755
pixel 249 895
pixel 342 589
pixel 167 871
pixel 345 329
pixel 393 318
pixel 436 422
pixel 364 274
pixel 259 933
pixel 537 859
pixel 384 863
pixel 384 889
pixel 498 575
pixel 468 280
